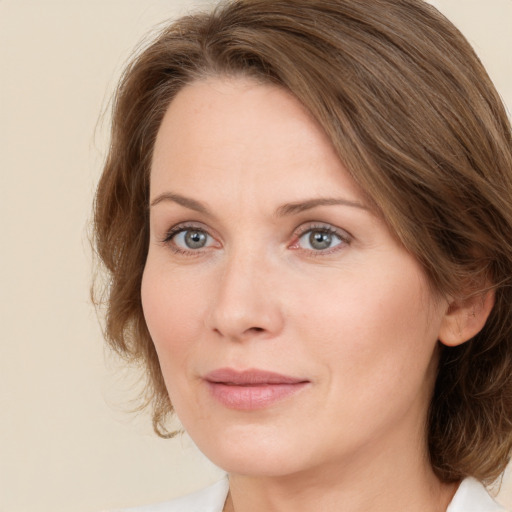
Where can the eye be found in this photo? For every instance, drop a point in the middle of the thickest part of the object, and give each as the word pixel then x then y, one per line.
pixel 191 239
pixel 320 239
pixel 188 239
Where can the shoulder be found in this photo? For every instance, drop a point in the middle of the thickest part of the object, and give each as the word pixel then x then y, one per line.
pixel 210 499
pixel 472 496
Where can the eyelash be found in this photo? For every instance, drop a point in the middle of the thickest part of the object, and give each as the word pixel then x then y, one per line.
pixel 181 228
pixel 344 237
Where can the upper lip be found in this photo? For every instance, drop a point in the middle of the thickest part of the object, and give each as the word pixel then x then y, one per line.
pixel 250 377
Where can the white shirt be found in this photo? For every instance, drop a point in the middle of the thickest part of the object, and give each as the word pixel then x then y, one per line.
pixel 471 496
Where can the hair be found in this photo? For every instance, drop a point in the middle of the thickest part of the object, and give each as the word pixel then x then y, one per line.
pixel 416 121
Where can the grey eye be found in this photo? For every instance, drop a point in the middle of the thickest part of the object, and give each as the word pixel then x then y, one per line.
pixel 319 240
pixel 195 239
pixel 192 239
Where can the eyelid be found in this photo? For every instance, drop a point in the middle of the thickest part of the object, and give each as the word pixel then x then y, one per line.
pixel 345 237
pixel 171 233
pixel 182 226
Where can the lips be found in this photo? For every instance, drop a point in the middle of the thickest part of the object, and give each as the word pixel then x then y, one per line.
pixel 251 389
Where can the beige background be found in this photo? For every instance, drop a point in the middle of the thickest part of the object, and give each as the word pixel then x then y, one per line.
pixel 66 442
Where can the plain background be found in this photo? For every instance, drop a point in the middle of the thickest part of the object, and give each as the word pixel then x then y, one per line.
pixel 67 442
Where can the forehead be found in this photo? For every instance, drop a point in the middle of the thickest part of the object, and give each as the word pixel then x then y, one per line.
pixel 221 131
pixel 235 114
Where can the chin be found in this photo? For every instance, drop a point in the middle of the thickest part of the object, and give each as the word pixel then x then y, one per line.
pixel 248 450
pixel 256 452
pixel 255 463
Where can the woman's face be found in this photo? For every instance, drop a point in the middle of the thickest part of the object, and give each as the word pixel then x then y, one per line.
pixel 293 331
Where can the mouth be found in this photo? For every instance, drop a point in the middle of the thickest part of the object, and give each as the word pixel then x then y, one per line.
pixel 251 389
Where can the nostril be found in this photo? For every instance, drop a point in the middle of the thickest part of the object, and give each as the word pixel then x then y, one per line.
pixel 256 329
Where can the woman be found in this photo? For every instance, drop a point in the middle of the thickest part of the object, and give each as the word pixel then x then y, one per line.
pixel 306 217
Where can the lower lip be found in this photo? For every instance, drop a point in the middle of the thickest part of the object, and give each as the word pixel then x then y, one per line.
pixel 248 398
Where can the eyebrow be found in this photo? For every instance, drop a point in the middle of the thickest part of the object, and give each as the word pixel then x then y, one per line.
pixel 301 206
pixel 187 202
pixel 283 211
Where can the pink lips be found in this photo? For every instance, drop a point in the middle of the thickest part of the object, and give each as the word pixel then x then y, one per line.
pixel 251 389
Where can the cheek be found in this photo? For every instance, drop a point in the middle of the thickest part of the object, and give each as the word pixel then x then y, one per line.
pixel 375 334
pixel 170 308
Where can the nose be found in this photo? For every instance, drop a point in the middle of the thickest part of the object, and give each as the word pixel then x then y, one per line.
pixel 247 303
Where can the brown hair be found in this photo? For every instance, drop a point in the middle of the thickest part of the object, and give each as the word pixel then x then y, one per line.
pixel 415 119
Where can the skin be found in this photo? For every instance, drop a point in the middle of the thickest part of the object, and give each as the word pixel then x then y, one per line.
pixel 357 320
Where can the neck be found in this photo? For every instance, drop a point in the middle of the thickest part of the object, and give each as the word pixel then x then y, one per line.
pixel 251 496
pixel 384 483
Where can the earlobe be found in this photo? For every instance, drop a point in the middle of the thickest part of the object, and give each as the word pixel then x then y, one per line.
pixel 465 318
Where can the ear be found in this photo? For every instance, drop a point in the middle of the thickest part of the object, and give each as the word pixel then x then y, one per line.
pixel 464 318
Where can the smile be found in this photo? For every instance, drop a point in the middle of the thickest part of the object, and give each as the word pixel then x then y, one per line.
pixel 251 389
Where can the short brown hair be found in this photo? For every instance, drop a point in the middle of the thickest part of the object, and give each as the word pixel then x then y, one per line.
pixel 417 122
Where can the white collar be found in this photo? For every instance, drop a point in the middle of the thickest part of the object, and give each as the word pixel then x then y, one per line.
pixel 471 496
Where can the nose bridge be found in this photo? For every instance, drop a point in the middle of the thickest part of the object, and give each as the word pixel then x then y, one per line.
pixel 246 303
